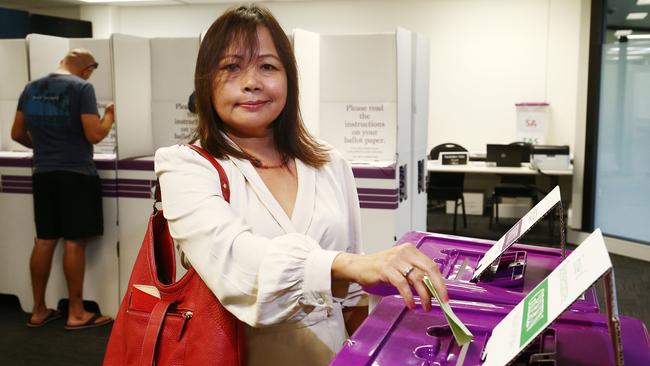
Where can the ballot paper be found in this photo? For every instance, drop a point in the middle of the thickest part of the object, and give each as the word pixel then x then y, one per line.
pixel 459 330
pixel 144 297
pixel 520 228
pixel 548 300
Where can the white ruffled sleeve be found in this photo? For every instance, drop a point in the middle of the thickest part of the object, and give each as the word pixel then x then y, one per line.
pixel 261 281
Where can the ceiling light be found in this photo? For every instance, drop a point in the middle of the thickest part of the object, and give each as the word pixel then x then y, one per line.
pixel 643 2
pixel 622 33
pixel 636 16
pixel 639 36
pixel 116 1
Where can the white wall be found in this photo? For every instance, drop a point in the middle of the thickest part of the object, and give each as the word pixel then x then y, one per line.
pixel 485 55
pixel 103 17
pixel 575 219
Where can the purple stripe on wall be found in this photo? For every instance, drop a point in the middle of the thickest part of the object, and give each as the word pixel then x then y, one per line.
pixel 367 198
pixel 29 191
pixel 22 178
pixel 27 162
pixel 134 189
pixel 384 206
pixel 373 172
pixel 135 165
pixel 17 184
pixel 135 195
pixel 136 182
pixel 16 162
pixel 16 190
pixel 106 164
pixel 530 104
pixel 26 188
pixel 385 192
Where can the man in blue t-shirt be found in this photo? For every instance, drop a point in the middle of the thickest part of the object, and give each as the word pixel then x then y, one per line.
pixel 57 116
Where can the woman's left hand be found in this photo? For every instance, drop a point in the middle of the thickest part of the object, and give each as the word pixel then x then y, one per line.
pixel 402 266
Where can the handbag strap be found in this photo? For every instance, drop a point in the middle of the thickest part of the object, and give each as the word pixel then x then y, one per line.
pixel 225 187
pixel 223 178
pixel 152 332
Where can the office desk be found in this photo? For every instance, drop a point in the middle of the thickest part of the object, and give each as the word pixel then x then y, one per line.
pixel 481 167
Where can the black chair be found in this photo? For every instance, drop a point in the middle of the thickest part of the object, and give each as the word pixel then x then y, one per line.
pixel 514 185
pixel 447 186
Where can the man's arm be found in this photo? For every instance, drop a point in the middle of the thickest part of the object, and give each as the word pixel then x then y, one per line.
pixel 96 129
pixel 19 131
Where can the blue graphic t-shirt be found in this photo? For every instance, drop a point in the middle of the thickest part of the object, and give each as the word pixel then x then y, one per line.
pixel 52 107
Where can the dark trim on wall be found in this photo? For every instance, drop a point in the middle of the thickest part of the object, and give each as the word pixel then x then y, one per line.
pixel 60 27
pixel 18 24
pixel 614 27
pixel 13 23
pixel 596 36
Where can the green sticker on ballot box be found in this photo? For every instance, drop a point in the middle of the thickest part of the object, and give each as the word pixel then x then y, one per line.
pixel 535 312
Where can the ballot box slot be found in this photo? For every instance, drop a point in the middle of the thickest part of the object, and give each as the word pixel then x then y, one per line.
pixel 508 271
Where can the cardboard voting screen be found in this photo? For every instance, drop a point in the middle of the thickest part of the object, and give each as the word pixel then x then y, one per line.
pixel 518 230
pixel 548 300
pixel 13 76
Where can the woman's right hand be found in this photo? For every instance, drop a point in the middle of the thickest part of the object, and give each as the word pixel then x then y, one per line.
pixel 393 266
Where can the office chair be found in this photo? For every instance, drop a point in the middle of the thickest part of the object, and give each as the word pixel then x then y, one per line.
pixel 514 186
pixel 447 186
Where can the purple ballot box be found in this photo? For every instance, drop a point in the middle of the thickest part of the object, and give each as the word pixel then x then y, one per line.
pixel 518 271
pixel 393 335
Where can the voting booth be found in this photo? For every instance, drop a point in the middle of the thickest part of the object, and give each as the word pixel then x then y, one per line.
pixel 419 131
pixel 170 69
pixel 16 203
pixel 135 138
pixel 356 94
pixel 100 281
pixel 121 67
pixel 14 76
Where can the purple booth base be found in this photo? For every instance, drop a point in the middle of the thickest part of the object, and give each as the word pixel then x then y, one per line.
pixel 522 267
pixel 393 335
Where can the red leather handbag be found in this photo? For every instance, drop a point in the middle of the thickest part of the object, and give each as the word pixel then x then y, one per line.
pixel 164 322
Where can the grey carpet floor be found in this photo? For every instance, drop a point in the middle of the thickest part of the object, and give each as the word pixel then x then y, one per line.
pixel 49 345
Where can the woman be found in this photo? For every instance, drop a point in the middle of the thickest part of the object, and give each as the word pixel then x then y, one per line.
pixel 283 256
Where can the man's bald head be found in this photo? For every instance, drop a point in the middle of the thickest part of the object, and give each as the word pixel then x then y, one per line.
pixel 80 62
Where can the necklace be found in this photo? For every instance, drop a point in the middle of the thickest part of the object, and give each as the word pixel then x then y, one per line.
pixel 260 165
pixel 257 163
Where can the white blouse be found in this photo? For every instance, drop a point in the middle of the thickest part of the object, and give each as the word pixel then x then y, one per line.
pixel 271 271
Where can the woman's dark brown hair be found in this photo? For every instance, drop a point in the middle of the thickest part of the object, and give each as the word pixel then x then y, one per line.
pixel 238 26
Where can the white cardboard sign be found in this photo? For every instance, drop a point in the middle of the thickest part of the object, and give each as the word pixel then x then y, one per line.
pixel 532 122
pixel 362 131
pixel 520 228
pixel 548 300
pixel 107 145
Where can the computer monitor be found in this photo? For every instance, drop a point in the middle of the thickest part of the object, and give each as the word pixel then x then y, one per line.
pixel 505 155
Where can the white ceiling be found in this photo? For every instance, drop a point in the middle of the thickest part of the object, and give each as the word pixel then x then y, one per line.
pixel 25 4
